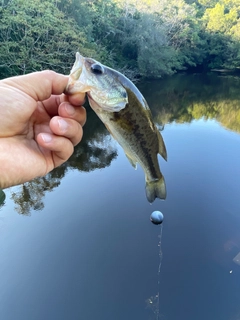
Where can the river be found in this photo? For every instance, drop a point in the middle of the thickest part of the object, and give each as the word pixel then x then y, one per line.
pixel 79 244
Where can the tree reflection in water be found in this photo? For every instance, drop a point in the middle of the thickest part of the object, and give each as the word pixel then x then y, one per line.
pixel 181 98
pixel 184 98
pixel 2 198
pixel 30 195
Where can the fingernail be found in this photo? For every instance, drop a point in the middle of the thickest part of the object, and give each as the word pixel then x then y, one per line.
pixel 70 109
pixel 63 125
pixel 46 137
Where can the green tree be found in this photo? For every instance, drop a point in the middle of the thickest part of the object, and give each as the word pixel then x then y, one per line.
pixel 150 38
pixel 162 36
pixel 220 19
pixel 36 35
pixel 221 24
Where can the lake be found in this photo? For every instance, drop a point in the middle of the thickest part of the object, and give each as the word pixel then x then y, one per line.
pixel 79 244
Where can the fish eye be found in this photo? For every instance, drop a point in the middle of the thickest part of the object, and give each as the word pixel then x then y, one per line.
pixel 97 68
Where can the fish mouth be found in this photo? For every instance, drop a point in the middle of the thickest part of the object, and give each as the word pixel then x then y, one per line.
pixel 75 74
pixel 77 67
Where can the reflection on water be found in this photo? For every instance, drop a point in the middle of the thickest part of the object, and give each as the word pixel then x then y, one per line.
pixel 96 150
pixel 179 99
pixel 186 98
pixel 93 253
pixel 2 198
pixel 31 194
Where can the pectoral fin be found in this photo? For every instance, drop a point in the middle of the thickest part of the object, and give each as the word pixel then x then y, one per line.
pixel 161 146
pixel 132 161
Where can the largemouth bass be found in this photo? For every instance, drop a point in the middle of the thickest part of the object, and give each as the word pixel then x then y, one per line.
pixel 126 115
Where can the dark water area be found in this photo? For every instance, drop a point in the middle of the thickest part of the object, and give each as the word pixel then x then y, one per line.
pixel 79 244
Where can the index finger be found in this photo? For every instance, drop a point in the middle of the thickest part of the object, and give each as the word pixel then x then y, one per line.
pixel 39 85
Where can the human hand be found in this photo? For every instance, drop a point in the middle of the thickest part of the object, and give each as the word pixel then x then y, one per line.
pixel 39 125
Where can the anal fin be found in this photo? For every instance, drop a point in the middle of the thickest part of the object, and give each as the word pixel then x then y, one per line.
pixel 161 146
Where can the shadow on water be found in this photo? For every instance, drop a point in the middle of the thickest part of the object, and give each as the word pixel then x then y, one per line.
pixel 180 99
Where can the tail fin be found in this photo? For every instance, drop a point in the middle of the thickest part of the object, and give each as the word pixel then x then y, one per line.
pixel 156 189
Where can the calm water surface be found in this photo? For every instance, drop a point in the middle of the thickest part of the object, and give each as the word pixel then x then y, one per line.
pixel 78 244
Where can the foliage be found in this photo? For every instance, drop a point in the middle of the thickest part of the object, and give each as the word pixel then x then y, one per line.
pixel 221 20
pixel 36 35
pixel 150 38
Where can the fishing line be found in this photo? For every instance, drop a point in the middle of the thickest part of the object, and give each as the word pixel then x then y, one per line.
pixel 154 302
pixel 160 254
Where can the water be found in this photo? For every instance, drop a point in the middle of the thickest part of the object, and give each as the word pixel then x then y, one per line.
pixel 78 244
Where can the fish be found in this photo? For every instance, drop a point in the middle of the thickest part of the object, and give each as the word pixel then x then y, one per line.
pixel 125 113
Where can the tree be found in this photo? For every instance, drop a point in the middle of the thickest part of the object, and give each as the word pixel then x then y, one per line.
pixel 218 19
pixel 222 32
pixel 36 35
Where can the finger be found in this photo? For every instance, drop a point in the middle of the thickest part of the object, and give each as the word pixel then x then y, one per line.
pixel 61 147
pixel 51 104
pixel 68 128
pixel 77 99
pixel 39 85
pixel 66 110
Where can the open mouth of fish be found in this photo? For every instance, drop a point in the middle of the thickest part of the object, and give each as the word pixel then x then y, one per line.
pixel 77 67
pixel 75 74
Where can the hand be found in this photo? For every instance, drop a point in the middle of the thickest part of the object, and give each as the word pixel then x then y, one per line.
pixel 39 125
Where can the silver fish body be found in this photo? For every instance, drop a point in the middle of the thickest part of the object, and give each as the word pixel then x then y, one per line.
pixel 126 115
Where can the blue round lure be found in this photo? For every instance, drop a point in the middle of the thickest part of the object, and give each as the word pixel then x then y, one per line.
pixel 156 217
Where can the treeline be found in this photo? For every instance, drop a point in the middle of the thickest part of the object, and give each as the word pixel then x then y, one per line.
pixel 150 38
